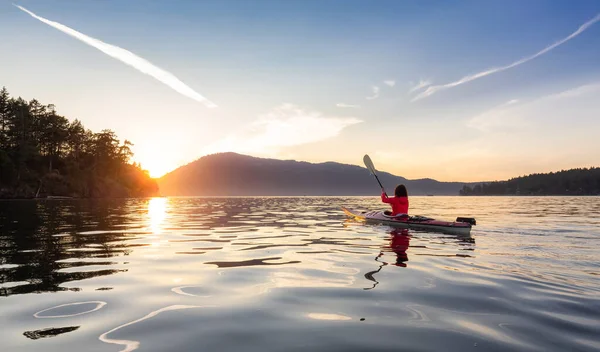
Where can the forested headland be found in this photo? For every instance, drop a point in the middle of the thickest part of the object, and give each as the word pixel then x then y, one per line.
pixel 581 181
pixel 44 154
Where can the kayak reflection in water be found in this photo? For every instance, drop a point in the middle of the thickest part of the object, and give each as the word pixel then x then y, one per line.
pixel 398 243
pixel 399 203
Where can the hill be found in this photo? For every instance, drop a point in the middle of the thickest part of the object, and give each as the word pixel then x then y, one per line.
pixel 231 174
pixel 582 181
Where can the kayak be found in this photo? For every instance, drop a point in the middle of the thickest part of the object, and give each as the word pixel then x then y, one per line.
pixel 462 225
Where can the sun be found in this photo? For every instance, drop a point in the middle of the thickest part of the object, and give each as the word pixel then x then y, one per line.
pixel 156 171
pixel 156 159
pixel 155 168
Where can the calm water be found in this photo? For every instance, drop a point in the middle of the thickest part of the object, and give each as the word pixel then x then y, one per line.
pixel 281 274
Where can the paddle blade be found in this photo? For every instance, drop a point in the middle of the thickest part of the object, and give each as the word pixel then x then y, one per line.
pixel 369 164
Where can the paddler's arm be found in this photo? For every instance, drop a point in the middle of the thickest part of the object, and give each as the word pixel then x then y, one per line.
pixel 384 198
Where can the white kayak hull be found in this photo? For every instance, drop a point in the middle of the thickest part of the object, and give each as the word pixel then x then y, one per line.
pixel 412 222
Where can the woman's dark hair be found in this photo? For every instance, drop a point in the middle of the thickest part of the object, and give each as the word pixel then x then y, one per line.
pixel 401 191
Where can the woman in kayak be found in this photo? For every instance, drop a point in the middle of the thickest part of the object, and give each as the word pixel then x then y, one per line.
pixel 399 202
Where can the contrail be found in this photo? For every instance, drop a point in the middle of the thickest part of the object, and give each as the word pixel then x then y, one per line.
pixel 432 89
pixel 130 59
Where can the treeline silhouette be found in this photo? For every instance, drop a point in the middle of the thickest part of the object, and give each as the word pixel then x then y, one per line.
pixel 580 181
pixel 45 154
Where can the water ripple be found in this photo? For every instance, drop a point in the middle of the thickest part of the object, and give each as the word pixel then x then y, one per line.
pixel 130 345
pixel 98 306
pixel 289 273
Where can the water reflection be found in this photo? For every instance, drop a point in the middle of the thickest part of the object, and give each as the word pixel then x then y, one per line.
pixel 271 265
pixel 251 262
pixel 397 243
pixel 130 345
pixel 46 244
pixel 75 309
pixel 157 210
pixel 44 241
pixel 328 316
pixel 50 332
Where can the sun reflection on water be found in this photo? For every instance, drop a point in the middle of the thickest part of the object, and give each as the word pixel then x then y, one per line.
pixel 157 210
pixel 325 316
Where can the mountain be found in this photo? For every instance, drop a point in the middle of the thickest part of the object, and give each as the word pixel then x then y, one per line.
pixel 231 174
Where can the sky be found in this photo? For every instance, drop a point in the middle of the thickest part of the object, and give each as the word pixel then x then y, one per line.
pixel 454 91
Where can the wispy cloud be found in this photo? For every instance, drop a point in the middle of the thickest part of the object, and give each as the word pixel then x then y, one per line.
pixel 499 117
pixel 433 89
pixel 540 112
pixel 375 93
pixel 592 88
pixel 390 83
pixel 130 59
pixel 342 105
pixel 285 126
pixel 422 84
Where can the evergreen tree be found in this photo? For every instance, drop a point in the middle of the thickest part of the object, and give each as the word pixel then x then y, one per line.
pixel 42 153
pixel 580 181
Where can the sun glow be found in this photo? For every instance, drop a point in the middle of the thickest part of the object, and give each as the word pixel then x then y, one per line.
pixel 156 170
pixel 157 164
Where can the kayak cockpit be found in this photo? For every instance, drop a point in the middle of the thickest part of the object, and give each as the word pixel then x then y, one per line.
pixel 405 217
pixel 389 214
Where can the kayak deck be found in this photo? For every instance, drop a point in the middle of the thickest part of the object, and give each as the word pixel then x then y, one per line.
pixel 462 226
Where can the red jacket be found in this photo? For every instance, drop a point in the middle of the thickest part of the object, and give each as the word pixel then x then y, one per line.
pixel 399 204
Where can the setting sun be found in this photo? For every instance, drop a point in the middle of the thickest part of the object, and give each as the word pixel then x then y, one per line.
pixel 155 170
pixel 156 162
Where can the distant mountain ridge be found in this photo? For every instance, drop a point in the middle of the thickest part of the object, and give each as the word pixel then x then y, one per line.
pixel 232 174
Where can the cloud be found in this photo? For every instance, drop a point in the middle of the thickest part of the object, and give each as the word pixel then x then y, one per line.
pixel 130 59
pixel 375 93
pixel 577 92
pixel 433 89
pixel 390 83
pixel 422 84
pixel 285 126
pixel 342 105
pixel 542 112
pixel 499 117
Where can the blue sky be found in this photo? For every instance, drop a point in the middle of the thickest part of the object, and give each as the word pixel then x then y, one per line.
pixel 325 80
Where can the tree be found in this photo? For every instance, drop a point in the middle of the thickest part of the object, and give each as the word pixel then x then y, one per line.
pixel 42 152
pixel 580 181
pixel 4 117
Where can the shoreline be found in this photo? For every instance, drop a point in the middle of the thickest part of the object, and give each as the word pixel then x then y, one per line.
pixel 291 196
